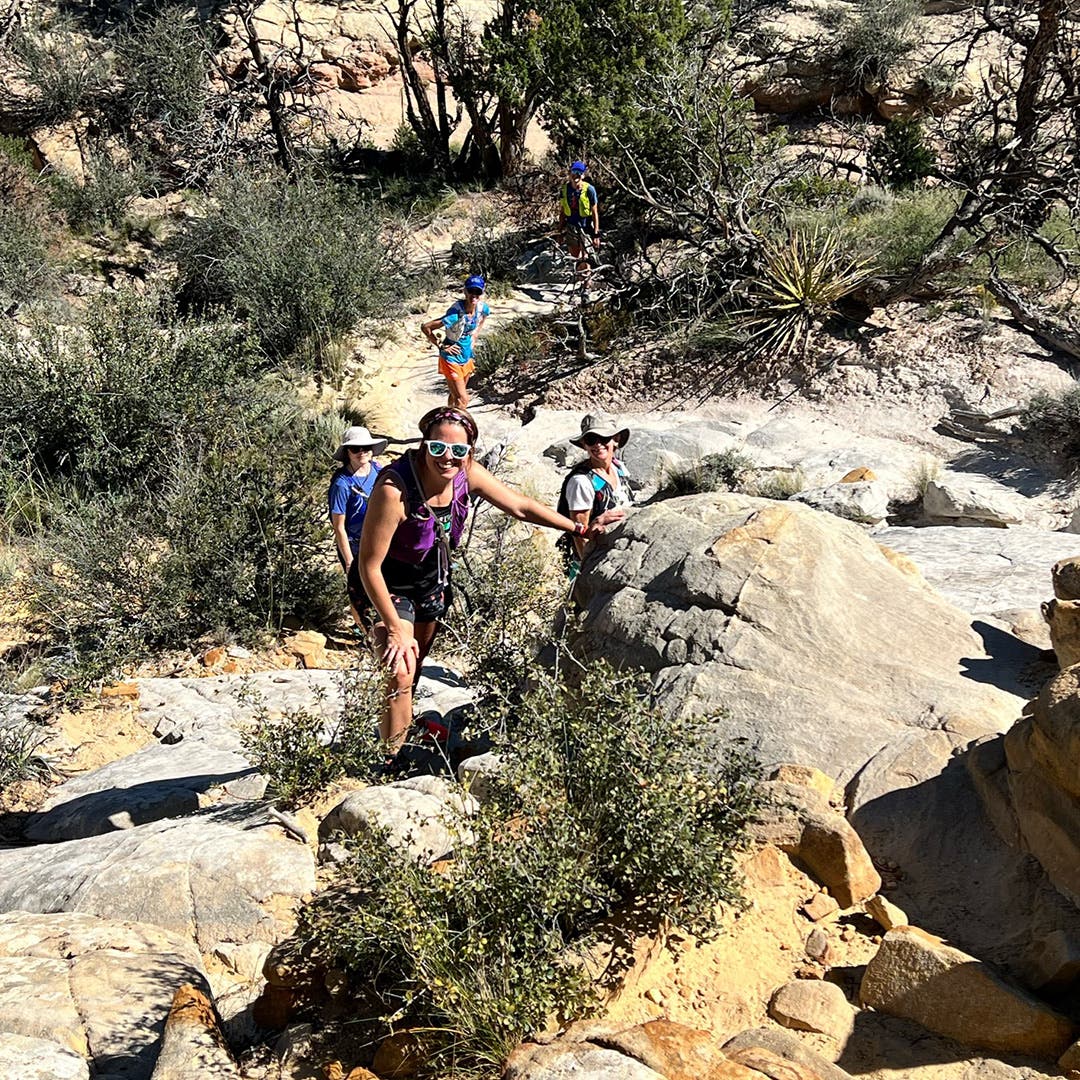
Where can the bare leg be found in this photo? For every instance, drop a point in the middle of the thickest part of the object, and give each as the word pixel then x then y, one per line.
pixel 396 717
pixel 459 395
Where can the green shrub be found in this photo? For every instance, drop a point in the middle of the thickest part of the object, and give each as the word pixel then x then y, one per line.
pixel 103 198
pixel 898 236
pixel 726 471
pixel 605 805
pixel 514 343
pixel 508 592
pixel 301 754
pixel 69 74
pixel 300 262
pixel 490 250
pixel 20 745
pixel 26 266
pixel 870 46
pixel 109 406
pixel 777 484
pixel 163 61
pixel 900 156
pixel 1050 426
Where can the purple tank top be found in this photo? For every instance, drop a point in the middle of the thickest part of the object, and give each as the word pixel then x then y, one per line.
pixel 416 535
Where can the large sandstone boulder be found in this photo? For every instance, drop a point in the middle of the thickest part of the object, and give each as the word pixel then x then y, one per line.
pixel 800 822
pixel 95 990
pixel 658 1049
pixel 813 1005
pixel 919 977
pixel 192 1046
pixel 39 1059
pixel 958 499
pixel 221 876
pixel 787 625
pixel 422 817
pixel 1042 755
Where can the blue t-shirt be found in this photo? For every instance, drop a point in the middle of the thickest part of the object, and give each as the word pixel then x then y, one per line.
pixel 459 326
pixel 348 495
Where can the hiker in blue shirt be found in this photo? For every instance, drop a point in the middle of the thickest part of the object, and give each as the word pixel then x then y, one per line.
pixel 460 324
pixel 579 216
pixel 348 498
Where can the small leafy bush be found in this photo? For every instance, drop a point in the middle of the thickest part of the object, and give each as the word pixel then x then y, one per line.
pixel 777 484
pixel 607 809
pixel 900 156
pixel 103 198
pixel 515 343
pixel 726 471
pixel 26 264
pixel 301 754
pixel 1050 426
pixel 897 236
pixel 299 262
pixel 489 250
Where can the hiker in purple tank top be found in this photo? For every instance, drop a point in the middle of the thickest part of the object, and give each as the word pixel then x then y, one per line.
pixel 415 519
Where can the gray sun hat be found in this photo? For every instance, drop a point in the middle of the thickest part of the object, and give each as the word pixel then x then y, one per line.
pixel 601 424
pixel 359 437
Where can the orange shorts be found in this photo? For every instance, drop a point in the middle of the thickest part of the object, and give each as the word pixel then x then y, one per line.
pixel 453 370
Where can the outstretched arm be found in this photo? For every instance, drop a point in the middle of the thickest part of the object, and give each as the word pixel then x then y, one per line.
pixel 519 506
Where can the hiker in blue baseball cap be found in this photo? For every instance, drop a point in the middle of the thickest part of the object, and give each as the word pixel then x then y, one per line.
pixel 579 217
pixel 461 322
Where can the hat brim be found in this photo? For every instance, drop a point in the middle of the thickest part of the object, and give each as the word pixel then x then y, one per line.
pixel 621 437
pixel 376 446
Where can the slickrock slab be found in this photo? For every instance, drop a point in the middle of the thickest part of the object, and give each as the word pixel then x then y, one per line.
pixel 97 989
pixel 984 570
pixel 917 976
pixel 220 876
pixel 789 622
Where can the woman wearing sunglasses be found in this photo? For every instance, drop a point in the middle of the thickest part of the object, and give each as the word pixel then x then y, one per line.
pixel 460 323
pixel 415 518
pixel 600 483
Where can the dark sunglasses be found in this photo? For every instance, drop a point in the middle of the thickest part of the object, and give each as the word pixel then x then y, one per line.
pixel 597 440
pixel 358 449
pixel 437 449
pixel 474 292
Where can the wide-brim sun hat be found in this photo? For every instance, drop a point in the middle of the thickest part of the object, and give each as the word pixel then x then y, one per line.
pixel 603 425
pixel 360 438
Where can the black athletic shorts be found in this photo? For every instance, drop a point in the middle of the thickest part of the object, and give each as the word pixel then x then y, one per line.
pixel 414 590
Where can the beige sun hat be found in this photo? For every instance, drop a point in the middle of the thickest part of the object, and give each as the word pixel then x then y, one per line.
pixel 601 424
pixel 359 436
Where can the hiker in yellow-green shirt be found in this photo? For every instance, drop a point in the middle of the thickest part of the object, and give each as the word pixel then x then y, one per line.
pixel 579 216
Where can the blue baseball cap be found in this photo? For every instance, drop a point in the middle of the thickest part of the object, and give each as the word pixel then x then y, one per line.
pixel 578 167
pixel 475 282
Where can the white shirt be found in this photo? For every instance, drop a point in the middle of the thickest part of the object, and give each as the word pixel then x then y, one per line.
pixel 580 493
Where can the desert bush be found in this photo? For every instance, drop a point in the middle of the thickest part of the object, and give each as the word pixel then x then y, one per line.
pixel 301 262
pixel 489 249
pixel 900 156
pixel 514 343
pixel 20 744
pixel 727 471
pixel 301 753
pixel 102 200
pixel 898 235
pixel 508 593
pixel 26 265
pixel 923 473
pixel 868 47
pixel 107 406
pixel 777 484
pixel 1050 426
pixel 163 60
pixel 68 73
pixel 605 806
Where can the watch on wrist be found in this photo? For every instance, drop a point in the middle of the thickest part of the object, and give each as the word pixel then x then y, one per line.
pixel 579 529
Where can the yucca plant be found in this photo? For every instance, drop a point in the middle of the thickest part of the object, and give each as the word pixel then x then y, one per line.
pixel 804 276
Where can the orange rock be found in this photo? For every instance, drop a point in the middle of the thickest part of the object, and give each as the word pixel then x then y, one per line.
pixel 858 475
pixel 399 1055
pixel 230 667
pixel 310 647
pixel 213 657
pixel 121 690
